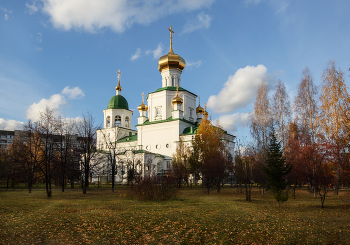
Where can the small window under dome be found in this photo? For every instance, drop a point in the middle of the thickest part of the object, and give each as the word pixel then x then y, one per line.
pixel 108 122
pixel 127 122
pixel 117 121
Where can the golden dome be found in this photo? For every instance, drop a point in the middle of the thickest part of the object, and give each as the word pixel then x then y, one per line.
pixel 199 109
pixel 176 100
pixel 142 107
pixel 171 61
pixel 205 113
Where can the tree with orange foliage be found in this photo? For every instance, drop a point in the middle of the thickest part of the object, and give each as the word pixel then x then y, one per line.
pixel 334 105
pixel 210 157
pixel 180 163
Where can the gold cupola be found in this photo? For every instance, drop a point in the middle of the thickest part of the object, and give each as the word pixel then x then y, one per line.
pixel 142 107
pixel 199 109
pixel 171 60
pixel 177 100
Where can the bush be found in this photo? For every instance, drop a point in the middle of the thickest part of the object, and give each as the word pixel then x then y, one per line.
pixel 153 189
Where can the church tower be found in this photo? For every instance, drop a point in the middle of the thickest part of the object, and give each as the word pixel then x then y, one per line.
pixel 160 103
pixel 117 121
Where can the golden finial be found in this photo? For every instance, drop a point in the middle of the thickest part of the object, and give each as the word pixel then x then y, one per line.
pixel 171 40
pixel 205 110
pixel 199 109
pixel 119 87
pixel 142 107
pixel 177 99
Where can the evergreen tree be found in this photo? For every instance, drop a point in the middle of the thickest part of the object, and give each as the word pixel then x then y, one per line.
pixel 276 170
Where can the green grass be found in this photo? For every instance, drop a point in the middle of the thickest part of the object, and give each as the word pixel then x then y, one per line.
pixel 103 217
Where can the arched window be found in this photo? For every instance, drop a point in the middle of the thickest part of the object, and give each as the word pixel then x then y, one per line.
pixel 127 122
pixel 108 122
pixel 118 120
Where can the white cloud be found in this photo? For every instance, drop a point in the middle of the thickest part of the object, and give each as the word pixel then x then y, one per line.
pixel 10 124
pixel 53 103
pixel 136 55
pixel 202 21
pixel 6 17
pixel 157 52
pixel 73 93
pixel 194 64
pixel 32 8
pixel 38 49
pixel 92 15
pixel 233 121
pixel 240 89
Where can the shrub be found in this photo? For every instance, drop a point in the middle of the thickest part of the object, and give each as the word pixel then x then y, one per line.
pixel 155 189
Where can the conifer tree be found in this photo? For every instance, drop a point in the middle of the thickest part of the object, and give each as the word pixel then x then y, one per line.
pixel 276 170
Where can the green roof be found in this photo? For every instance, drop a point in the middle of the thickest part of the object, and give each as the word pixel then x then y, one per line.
pixel 190 130
pixel 147 122
pixel 128 139
pixel 172 88
pixel 118 102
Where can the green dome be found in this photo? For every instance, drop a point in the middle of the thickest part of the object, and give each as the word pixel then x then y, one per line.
pixel 118 102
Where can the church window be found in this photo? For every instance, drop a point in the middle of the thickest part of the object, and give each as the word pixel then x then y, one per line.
pixel 108 122
pixel 158 112
pixel 118 120
pixel 167 145
pixel 127 122
pixel 158 146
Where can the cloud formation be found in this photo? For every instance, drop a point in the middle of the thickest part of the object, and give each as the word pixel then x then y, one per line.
pixel 92 15
pixel 233 121
pixel 38 49
pixel 53 103
pixel 240 89
pixel 202 21
pixel 73 93
pixel 136 55
pixel 32 8
pixel 6 17
pixel 157 52
pixel 194 64
pixel 10 124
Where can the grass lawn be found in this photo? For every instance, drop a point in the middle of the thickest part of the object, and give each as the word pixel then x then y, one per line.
pixel 103 217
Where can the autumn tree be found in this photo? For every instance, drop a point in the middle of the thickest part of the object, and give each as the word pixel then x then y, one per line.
pixel 334 105
pixel 27 153
pixel 243 167
pixel 281 111
pixel 180 163
pixel 276 170
pixel 306 105
pixel 260 123
pixel 210 157
pixel 295 156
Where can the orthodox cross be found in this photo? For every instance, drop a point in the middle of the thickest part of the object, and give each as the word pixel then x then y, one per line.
pixel 199 100
pixel 143 98
pixel 119 73
pixel 171 40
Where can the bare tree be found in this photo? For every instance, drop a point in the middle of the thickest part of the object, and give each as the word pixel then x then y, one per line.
pixel 87 131
pixel 260 126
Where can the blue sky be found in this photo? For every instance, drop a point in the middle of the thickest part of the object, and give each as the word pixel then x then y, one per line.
pixel 65 53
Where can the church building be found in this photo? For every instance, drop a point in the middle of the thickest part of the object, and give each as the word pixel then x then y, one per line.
pixel 171 113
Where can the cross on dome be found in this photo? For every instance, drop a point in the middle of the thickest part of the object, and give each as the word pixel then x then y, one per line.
pixel 171 39
pixel 118 88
